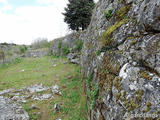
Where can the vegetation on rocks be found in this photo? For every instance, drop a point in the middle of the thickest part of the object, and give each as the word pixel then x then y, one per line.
pixel 108 14
pixel 107 38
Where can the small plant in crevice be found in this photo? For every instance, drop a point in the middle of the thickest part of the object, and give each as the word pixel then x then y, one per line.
pixel 93 95
pixel 79 45
pixel 65 49
pixel 60 45
pixel 88 80
pixel 92 92
pixel 108 14
pixel 98 52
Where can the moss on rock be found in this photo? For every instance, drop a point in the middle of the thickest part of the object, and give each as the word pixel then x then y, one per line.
pixel 107 38
pixel 145 75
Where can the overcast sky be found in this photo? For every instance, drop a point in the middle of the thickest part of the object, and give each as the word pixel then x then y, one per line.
pixel 22 21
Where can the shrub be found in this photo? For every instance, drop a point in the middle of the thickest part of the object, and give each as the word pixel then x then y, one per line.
pixel 17 60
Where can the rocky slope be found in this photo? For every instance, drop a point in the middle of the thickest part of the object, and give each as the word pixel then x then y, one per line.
pixel 120 59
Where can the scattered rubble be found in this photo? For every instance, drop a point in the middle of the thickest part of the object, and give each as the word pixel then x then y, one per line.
pixel 37 88
pixel 10 100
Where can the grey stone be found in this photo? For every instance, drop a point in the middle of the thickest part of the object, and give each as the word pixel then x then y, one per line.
pixel 74 61
pixel 150 15
pixel 6 91
pixel 73 58
pixel 42 97
pixel 55 90
pixel 20 99
pixel 34 107
pixel 36 88
pixel 11 111
pixel 56 108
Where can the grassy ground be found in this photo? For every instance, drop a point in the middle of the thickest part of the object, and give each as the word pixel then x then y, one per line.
pixel 31 71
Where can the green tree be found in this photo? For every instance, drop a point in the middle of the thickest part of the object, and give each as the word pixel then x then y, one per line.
pixel 78 14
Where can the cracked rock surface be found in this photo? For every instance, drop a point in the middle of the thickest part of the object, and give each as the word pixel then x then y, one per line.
pixel 11 111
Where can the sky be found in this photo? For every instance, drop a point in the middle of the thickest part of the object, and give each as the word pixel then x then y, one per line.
pixel 23 21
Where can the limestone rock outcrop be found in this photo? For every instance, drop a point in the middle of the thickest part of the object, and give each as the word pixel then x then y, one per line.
pixel 121 59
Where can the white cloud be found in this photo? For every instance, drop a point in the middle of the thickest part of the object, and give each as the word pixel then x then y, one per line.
pixel 30 22
pixel 45 1
pixel 48 2
pixel 3 1
pixel 23 24
pixel 6 8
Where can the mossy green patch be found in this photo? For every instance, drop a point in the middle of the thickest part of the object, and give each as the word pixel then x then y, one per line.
pixel 147 107
pixel 107 38
pixel 120 14
pixel 107 73
pixel 133 42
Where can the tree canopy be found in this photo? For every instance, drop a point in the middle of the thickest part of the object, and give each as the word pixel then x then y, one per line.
pixel 78 14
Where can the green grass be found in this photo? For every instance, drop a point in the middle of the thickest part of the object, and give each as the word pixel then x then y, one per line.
pixel 36 70
pixel 43 70
pixel 74 99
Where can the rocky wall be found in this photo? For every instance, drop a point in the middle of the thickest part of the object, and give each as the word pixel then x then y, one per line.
pixel 67 44
pixel 121 60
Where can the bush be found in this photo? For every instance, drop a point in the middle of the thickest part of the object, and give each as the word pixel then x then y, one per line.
pixel 23 49
pixel 17 60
